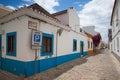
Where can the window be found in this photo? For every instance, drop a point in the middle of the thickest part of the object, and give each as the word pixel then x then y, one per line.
pixel 118 44
pixel 114 44
pixel 88 44
pixel 91 44
pixel 74 45
pixel 11 44
pixel 47 44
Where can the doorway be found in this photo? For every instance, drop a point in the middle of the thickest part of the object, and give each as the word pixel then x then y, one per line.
pixel 81 47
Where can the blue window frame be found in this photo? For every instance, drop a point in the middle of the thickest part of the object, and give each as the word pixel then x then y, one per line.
pixel 11 43
pixel 0 42
pixel 47 44
pixel 0 45
pixel 74 45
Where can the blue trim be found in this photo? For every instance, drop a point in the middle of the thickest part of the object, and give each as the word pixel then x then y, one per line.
pixel 0 50
pixel 74 40
pixel 27 68
pixel 15 43
pixel 85 53
pixel 13 66
pixel 50 53
pixel 0 43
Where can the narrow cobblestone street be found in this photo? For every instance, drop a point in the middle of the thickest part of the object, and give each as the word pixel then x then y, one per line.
pixel 101 66
pixel 98 67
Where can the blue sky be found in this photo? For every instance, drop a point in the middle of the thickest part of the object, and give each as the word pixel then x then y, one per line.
pixel 91 12
pixel 63 4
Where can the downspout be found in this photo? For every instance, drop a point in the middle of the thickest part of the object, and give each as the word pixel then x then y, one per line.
pixel 56 46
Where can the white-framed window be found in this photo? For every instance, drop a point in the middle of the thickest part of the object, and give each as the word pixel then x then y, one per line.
pixel 117 44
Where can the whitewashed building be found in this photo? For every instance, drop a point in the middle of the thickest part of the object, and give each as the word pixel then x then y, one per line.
pixel 115 23
pixel 61 39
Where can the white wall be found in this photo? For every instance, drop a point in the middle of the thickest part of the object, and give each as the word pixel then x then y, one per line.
pixel 64 18
pixel 116 29
pixel 74 19
pixel 65 41
pixel 70 18
pixel 90 40
pixel 115 43
pixel 17 25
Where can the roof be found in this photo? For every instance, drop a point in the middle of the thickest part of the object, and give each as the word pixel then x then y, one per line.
pixel 4 11
pixel 59 13
pixel 35 6
pixel 34 11
pixel 115 2
pixel 89 35
pixel 90 30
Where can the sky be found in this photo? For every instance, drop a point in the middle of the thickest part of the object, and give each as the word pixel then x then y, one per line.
pixel 91 12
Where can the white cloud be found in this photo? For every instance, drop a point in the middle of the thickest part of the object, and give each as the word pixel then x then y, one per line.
pixel 98 13
pixel 80 5
pixel 11 7
pixel 48 4
pixel 22 5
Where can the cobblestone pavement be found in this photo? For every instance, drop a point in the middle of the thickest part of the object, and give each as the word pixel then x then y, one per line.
pixel 101 66
pixel 98 67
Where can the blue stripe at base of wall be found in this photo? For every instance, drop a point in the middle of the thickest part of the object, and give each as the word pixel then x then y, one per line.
pixel 32 67
pixel 84 53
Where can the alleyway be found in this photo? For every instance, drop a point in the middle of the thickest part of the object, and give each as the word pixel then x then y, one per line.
pixel 101 66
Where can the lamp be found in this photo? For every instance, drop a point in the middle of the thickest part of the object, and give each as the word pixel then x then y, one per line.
pixel 59 31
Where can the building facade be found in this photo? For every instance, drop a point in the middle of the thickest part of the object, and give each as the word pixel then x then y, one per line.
pixel 115 23
pixel 90 43
pixel 61 42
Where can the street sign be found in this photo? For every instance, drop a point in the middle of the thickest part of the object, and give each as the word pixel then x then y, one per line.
pixel 36 39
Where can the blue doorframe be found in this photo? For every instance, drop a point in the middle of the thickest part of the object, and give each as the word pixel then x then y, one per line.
pixel 0 50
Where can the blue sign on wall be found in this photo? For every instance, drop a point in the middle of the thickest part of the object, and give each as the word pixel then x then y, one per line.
pixel 37 38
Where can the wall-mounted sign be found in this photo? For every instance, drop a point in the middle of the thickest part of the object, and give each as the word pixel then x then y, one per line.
pixel 32 25
pixel 36 39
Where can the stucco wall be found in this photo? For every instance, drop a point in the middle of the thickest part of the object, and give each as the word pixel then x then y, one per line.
pixel 116 29
pixel 24 51
pixel 64 18
pixel 18 25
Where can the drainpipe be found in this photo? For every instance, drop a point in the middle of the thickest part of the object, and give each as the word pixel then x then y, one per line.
pixel 56 46
pixel 59 31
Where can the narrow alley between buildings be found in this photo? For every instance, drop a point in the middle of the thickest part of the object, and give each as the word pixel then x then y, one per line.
pixel 100 66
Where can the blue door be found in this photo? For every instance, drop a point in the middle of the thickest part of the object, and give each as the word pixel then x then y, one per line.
pixel 81 47
pixel 0 49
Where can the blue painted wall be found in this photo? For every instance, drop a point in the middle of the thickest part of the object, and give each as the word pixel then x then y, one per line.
pixel 28 68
